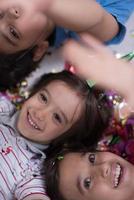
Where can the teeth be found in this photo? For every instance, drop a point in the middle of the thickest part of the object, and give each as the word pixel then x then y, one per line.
pixel 32 123
pixel 117 175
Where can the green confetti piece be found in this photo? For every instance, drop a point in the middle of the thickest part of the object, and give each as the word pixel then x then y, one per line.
pixel 115 140
pixel 60 158
pixel 91 83
pixel 128 56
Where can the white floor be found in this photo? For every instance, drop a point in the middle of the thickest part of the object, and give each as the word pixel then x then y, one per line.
pixel 54 62
pixel 127 44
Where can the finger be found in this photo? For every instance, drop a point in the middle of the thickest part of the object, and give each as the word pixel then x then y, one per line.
pixel 76 53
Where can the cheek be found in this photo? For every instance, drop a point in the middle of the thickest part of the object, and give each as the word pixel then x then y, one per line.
pixel 30 103
pixel 63 129
pixel 55 132
pixel 101 191
pixel 36 26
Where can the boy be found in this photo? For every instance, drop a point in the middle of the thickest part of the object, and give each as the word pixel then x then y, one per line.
pixel 29 27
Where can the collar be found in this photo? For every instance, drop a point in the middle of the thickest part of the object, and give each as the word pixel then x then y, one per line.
pixel 33 146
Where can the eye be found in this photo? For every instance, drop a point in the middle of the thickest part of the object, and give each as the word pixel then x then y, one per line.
pixel 43 98
pixel 87 183
pixel 14 33
pixel 91 158
pixel 58 118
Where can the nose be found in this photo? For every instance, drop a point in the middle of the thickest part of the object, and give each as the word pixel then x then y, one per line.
pixel 14 12
pixel 102 170
pixel 41 114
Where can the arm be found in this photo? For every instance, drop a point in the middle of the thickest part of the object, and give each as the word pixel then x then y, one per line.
pixel 6 109
pixel 36 197
pixel 83 16
pixel 93 60
pixel 31 189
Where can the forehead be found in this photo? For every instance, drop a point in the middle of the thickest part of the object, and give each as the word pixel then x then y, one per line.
pixel 67 99
pixel 68 175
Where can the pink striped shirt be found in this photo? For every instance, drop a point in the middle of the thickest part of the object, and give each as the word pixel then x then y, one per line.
pixel 21 161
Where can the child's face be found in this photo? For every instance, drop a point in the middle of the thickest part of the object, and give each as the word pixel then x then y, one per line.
pixel 49 113
pixel 22 24
pixel 96 176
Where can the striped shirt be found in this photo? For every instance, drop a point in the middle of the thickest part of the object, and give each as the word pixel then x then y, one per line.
pixel 21 161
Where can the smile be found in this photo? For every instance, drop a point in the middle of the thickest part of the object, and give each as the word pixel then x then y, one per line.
pixel 32 123
pixel 118 174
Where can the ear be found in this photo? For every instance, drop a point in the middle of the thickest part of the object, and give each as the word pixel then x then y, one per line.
pixel 40 50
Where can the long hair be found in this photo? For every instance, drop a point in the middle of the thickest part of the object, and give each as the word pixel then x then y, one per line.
pixel 94 117
pixel 15 67
pixel 84 133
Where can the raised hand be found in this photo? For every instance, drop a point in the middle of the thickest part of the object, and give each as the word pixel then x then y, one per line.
pixel 92 60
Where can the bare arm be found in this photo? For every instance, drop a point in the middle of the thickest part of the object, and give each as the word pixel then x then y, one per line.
pixel 83 16
pixel 94 61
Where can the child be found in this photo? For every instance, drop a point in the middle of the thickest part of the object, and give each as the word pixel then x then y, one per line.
pixel 59 103
pixel 27 27
pixel 107 71
pixel 87 175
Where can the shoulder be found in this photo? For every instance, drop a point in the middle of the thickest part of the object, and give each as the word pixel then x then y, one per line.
pixel 31 188
pixel 37 197
pixel 121 9
pixel 6 107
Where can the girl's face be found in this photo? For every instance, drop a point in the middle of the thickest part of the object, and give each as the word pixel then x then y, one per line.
pixel 49 113
pixel 22 24
pixel 96 176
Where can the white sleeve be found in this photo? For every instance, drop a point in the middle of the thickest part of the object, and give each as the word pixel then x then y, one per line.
pixel 6 107
pixel 29 188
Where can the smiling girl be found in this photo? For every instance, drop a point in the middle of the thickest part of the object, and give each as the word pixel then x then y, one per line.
pixel 88 175
pixel 61 107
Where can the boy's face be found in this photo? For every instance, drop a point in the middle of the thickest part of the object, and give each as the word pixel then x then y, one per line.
pixel 49 113
pixel 98 176
pixel 22 24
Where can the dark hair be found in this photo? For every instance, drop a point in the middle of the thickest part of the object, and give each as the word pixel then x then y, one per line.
pixel 83 135
pixel 87 130
pixel 15 67
pixel 51 171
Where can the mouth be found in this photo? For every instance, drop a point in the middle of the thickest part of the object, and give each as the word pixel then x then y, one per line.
pixel 118 172
pixel 8 38
pixel 32 122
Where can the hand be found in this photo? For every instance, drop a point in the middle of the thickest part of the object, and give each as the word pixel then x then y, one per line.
pixel 92 60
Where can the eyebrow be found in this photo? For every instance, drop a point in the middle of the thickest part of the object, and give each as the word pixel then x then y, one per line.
pixel 62 112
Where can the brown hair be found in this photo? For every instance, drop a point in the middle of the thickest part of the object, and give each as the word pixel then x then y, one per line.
pixel 94 118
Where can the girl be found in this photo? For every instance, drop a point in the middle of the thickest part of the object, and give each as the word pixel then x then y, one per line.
pixel 61 107
pixel 87 175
